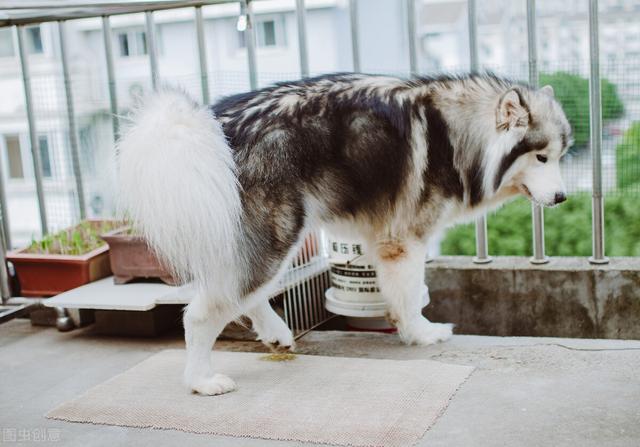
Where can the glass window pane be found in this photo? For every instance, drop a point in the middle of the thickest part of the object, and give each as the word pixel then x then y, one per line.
pixel 34 40
pixel 141 43
pixel 45 159
pixel 6 42
pixel 123 42
pixel 269 30
pixel 14 157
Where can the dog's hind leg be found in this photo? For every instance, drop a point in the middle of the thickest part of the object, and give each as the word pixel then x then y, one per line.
pixel 400 267
pixel 202 326
pixel 271 329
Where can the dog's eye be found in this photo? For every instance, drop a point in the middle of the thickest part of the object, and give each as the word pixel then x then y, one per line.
pixel 541 158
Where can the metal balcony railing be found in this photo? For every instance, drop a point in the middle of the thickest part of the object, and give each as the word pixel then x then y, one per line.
pixel 25 15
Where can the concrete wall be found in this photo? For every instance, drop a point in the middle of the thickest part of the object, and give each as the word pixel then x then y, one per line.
pixel 567 297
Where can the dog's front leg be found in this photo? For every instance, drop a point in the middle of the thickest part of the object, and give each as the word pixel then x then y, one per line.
pixel 271 329
pixel 400 267
pixel 201 328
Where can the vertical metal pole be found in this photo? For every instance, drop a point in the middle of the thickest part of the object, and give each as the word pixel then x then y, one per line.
pixel 532 43
pixel 300 289
pixel 482 245
pixel 595 112
pixel 310 286
pixel 250 40
pixel 202 55
pixel 355 44
pixel 5 291
pixel 301 14
pixel 4 212
pixel 73 137
pixel 294 306
pixel 111 77
pixel 151 47
pixel 318 293
pixel 537 212
pixel 473 35
pixel 411 29
pixel 287 312
pixel 318 260
pixel 33 138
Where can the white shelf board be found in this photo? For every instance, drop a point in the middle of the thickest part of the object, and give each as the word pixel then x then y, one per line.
pixel 105 295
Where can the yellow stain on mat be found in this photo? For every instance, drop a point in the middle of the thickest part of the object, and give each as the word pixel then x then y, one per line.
pixel 279 357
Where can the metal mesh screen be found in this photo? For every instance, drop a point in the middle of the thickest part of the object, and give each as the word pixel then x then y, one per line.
pixel 620 73
pixel 305 285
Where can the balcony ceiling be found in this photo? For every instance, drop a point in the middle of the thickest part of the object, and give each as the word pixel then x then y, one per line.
pixel 24 12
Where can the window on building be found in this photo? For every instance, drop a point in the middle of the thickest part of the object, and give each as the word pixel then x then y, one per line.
pixel 34 40
pixel 267 34
pixel 132 43
pixel 123 42
pixel 270 32
pixel 14 157
pixel 45 156
pixel 6 42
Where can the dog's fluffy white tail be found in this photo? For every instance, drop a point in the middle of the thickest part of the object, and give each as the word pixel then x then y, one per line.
pixel 178 187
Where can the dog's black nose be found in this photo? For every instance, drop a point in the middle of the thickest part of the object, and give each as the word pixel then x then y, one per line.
pixel 559 197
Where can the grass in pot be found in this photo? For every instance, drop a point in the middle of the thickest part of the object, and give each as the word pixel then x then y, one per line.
pixel 64 260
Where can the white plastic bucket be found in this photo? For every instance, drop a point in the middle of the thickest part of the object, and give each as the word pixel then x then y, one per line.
pixel 372 324
pixel 355 292
pixel 362 309
pixel 353 275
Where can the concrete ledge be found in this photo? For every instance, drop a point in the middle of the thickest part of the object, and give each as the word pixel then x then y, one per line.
pixel 568 297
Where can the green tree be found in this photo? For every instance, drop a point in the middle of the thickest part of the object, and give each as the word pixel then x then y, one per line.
pixel 572 91
pixel 628 158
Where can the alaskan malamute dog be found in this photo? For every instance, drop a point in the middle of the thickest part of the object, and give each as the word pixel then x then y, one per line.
pixel 225 194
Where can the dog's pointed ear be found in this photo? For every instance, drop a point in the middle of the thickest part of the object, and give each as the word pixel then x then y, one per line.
pixel 512 111
pixel 548 90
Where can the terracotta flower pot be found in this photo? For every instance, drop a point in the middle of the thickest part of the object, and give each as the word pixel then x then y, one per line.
pixel 44 275
pixel 132 259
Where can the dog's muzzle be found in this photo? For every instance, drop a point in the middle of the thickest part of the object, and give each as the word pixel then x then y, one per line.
pixel 559 198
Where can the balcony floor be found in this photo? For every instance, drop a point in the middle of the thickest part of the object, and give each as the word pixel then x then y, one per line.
pixel 525 391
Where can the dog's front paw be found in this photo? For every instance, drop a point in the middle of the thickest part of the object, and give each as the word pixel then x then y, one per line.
pixel 281 346
pixel 211 386
pixel 279 339
pixel 423 332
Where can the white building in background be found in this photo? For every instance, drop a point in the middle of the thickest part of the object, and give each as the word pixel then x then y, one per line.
pixel 442 46
pixel 277 51
pixel 16 160
pixel 562 32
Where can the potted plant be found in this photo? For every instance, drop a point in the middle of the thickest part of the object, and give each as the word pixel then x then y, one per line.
pixel 64 260
pixel 131 258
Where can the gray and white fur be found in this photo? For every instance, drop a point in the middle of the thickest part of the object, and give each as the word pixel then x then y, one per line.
pixel 225 194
